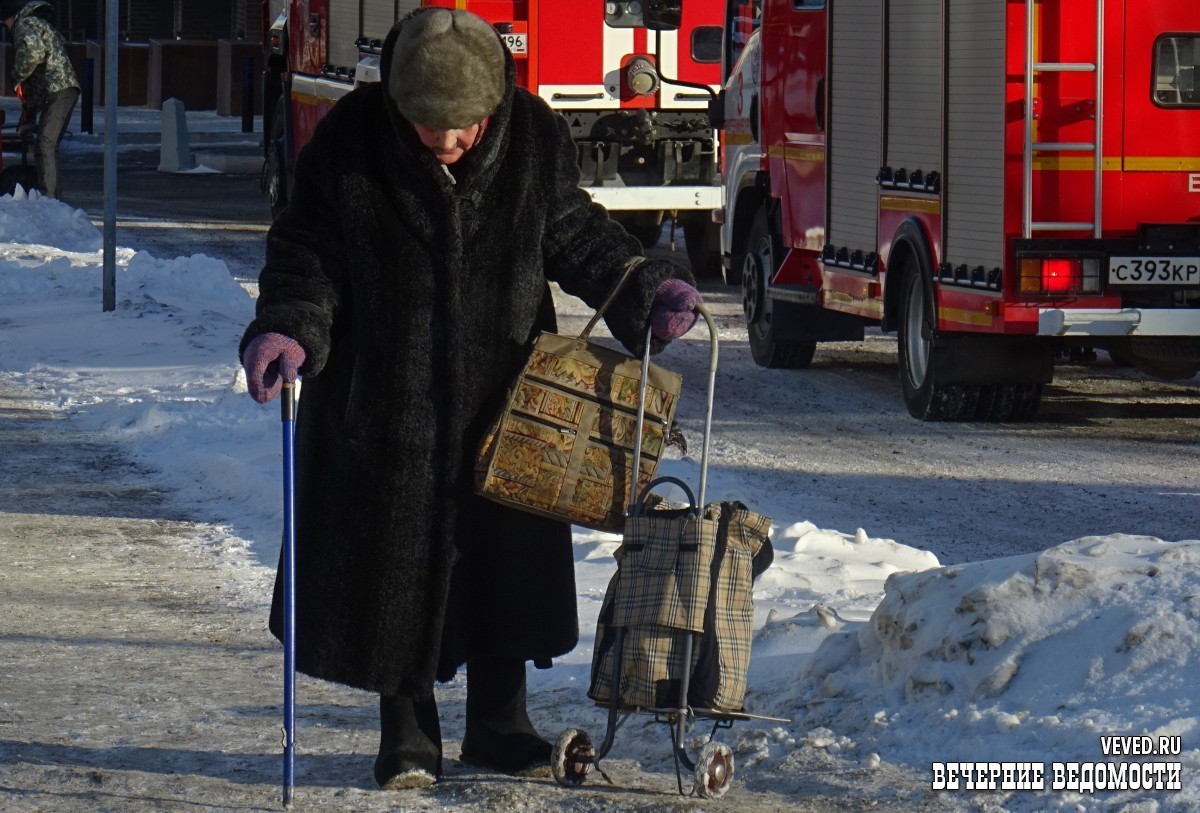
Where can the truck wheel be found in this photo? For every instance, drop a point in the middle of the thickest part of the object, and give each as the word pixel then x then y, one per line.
pixel 926 399
pixel 703 240
pixel 757 262
pixel 1008 402
pixel 1168 358
pixel 275 168
pixel 645 227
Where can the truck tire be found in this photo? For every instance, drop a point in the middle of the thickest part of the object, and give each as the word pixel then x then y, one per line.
pixel 275 182
pixel 703 240
pixel 1169 358
pixel 646 229
pixel 926 399
pixel 758 263
pixel 1008 402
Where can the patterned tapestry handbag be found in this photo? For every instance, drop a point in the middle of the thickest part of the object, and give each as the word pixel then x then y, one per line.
pixel 563 446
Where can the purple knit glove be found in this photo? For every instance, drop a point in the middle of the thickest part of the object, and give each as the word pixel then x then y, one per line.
pixel 674 309
pixel 270 359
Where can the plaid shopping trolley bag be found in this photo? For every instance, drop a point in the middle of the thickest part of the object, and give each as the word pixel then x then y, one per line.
pixel 679 570
pixel 674 632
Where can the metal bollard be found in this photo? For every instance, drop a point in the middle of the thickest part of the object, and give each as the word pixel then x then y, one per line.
pixel 248 95
pixel 88 102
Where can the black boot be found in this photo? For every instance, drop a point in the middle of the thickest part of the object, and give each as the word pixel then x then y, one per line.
pixel 410 743
pixel 499 734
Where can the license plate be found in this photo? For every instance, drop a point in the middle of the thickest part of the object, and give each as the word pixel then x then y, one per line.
pixel 517 43
pixel 1154 270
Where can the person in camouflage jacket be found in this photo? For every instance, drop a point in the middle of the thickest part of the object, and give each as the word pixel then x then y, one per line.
pixel 45 79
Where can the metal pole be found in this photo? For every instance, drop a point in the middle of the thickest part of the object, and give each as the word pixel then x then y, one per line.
pixel 112 21
pixel 1027 157
pixel 708 412
pixel 288 407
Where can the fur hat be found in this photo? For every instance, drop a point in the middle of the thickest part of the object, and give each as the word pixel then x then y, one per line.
pixel 448 69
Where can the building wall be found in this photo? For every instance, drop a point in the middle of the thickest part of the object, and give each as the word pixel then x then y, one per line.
pixel 144 20
pixel 186 33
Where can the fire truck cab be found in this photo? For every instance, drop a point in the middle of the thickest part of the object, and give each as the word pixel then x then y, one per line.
pixel 633 78
pixel 1002 184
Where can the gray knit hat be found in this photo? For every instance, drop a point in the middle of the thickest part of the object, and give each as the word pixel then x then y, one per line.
pixel 447 69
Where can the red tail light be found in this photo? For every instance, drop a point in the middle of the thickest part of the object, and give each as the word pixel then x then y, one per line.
pixel 1060 276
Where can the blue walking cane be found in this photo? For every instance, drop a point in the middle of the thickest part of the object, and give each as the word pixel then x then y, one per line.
pixel 288 407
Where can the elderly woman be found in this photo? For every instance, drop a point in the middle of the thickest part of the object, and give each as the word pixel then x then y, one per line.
pixel 406 282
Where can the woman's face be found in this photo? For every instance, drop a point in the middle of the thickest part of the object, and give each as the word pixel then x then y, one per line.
pixel 449 145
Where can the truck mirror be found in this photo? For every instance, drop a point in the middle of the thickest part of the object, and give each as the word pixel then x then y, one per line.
pixel 716 111
pixel 663 15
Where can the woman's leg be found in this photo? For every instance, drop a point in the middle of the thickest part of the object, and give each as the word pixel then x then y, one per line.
pixel 410 742
pixel 499 732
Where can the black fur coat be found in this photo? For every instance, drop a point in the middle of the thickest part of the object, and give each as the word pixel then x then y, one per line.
pixel 416 296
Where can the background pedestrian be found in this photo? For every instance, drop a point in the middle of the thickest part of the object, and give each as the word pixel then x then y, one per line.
pixel 45 80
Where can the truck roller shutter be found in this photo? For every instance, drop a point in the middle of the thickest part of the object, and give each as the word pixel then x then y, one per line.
pixel 343 24
pixel 914 100
pixel 380 15
pixel 974 181
pixel 855 77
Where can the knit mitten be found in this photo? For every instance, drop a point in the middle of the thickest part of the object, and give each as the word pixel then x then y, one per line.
pixel 673 312
pixel 271 359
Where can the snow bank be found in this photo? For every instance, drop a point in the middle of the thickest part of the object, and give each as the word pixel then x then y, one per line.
pixel 1030 658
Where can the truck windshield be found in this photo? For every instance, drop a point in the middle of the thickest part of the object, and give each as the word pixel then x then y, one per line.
pixel 1175 58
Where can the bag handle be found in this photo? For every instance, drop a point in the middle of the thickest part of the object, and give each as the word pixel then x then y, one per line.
pixel 631 264
pixel 639 506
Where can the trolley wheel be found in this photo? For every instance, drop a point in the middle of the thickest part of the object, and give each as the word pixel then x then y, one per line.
pixel 572 757
pixel 714 770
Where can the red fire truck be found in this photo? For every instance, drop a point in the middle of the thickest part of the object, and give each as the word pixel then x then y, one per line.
pixel 1003 184
pixel 633 78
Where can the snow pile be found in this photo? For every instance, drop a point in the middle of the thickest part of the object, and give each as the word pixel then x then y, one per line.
pixel 46 248
pixel 1031 658
pixel 160 373
pixel 40 221
pixel 845 571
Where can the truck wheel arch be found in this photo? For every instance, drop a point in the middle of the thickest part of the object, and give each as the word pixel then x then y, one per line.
pixel 276 178
pixel 911 253
pixel 750 196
